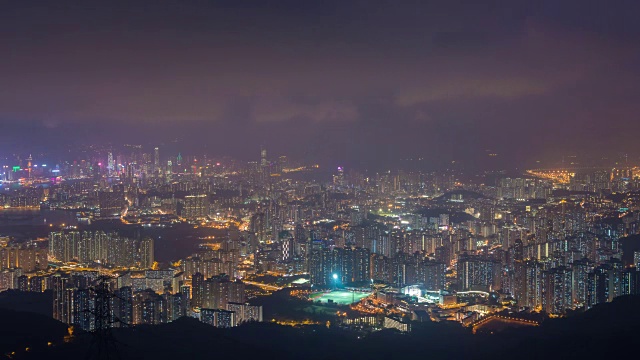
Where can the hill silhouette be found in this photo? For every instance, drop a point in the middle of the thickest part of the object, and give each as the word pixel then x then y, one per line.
pixel 35 302
pixel 21 330
pixel 606 330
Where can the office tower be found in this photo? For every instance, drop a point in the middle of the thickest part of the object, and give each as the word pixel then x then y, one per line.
pixel 156 158
pixel 146 253
pixel 338 177
pixel 111 165
pixel 195 206
pixel 29 166
pixel 287 248
pixel 263 156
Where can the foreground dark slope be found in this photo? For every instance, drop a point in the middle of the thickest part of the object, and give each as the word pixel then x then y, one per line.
pixel 608 329
pixel 21 330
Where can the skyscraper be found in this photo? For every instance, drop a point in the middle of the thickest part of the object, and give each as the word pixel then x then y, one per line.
pixel 156 158
pixel 62 298
pixel 146 253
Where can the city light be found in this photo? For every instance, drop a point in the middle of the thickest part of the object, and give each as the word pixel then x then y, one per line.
pixel 376 179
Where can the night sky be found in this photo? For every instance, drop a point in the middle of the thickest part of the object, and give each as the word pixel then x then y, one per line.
pixel 356 83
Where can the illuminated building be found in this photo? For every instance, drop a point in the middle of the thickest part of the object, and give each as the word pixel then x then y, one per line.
pixel 37 284
pixel 110 203
pixel 361 264
pixel 287 248
pixel 432 274
pixel 245 312
pixel 62 299
pixel 83 308
pixel 218 318
pixel 123 306
pixel 29 166
pixel 598 286
pixel 557 290
pixel 395 323
pixel 156 159
pixel 23 283
pixel 580 279
pixel 197 288
pixel 195 206
pixel 380 268
pixel 477 272
pixel 146 253
pixel 629 282
pixel 218 291
pixel 28 259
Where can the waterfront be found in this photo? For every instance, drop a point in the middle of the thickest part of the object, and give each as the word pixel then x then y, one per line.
pixel 172 243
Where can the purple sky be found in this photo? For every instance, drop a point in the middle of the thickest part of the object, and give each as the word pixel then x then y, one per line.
pixel 353 82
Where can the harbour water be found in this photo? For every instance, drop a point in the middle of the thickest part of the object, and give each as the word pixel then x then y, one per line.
pixel 36 217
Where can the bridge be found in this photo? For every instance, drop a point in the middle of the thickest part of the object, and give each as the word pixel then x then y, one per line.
pixel 508 319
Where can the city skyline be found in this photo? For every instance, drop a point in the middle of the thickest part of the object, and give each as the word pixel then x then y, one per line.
pixel 319 180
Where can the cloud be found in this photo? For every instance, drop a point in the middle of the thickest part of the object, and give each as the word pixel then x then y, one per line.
pixel 508 88
pixel 273 109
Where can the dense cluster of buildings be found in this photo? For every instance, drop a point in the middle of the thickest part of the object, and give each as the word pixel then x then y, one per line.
pixel 545 241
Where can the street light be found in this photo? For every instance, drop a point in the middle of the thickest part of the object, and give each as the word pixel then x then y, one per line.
pixel 335 281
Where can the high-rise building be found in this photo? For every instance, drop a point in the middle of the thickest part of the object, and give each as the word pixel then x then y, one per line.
pixel 432 274
pixel 557 290
pixel 197 289
pixel 477 272
pixel 111 165
pixel 195 206
pixel 156 158
pixel 62 298
pixel 147 258
pixel 123 306
pixel 218 318
pixel 219 290
pixel 111 203
pixel 245 312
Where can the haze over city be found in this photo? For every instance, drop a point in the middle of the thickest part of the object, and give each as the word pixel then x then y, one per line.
pixel 365 83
